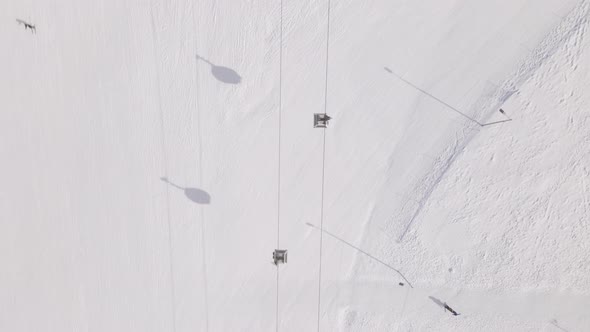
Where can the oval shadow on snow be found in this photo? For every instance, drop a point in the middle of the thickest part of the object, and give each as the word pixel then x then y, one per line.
pixel 223 74
pixel 194 194
pixel 197 195
pixel 226 75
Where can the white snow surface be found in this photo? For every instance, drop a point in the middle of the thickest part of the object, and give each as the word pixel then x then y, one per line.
pixel 424 181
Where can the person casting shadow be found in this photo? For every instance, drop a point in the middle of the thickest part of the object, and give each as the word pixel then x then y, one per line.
pixel 443 305
pixel 27 25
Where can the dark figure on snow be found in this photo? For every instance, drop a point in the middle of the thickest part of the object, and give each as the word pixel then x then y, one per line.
pixel 27 25
pixel 450 309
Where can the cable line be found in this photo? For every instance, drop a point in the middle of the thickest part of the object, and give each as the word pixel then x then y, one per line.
pixel 323 166
pixel 279 156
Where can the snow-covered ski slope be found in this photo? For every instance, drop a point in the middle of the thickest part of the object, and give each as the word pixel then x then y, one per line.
pixel 141 173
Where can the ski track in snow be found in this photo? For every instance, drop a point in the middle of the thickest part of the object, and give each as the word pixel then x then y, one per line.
pixel 573 27
pixel 565 38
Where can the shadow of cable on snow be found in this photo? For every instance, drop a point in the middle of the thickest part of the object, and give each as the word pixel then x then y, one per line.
pixel 495 122
pixel 222 74
pixel 361 251
pixel 194 194
pixel 399 77
pixel 426 93
pixel 554 323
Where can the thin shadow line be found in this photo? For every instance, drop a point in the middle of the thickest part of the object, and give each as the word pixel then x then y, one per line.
pixel 323 165
pixel 203 238
pixel 165 157
pixel 321 226
pixel 205 60
pixel 433 97
pixel 361 251
pixel 495 122
pixel 280 111
pixel 165 179
pixel 554 323
pixel 405 302
pixel 277 304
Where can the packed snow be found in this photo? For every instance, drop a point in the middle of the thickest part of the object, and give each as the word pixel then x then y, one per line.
pixel 156 153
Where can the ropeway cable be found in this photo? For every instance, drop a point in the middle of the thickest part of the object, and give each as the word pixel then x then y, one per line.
pixel 323 168
pixel 279 156
pixel 165 167
pixel 198 110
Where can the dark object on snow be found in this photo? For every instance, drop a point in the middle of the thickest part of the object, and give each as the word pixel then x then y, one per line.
pixel 401 284
pixel 446 306
pixel 320 120
pixel 194 194
pixel 502 111
pixel 279 256
pixel 27 25
pixel 223 74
